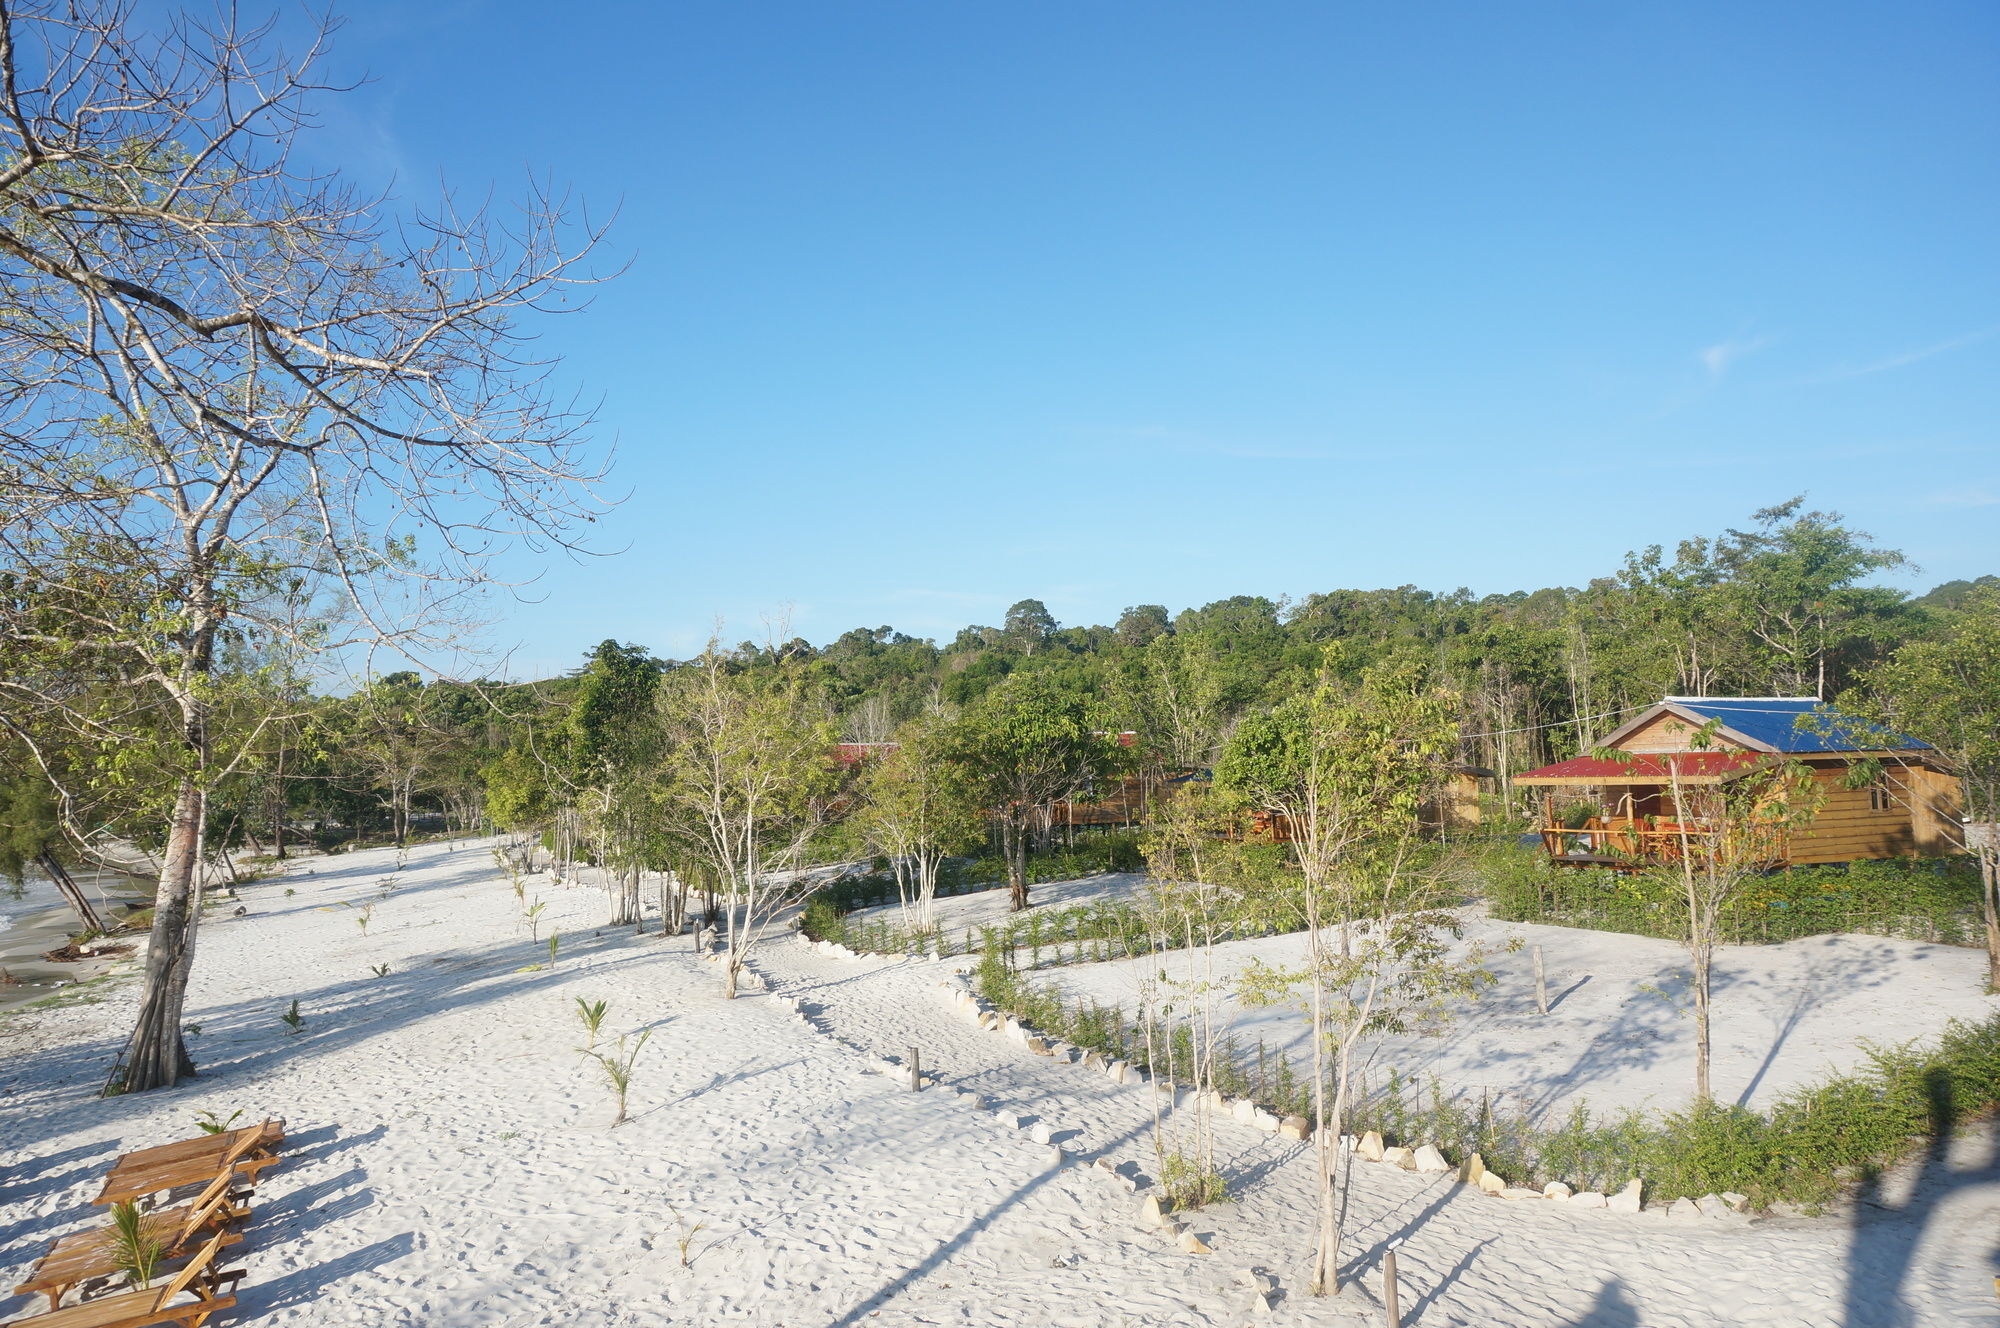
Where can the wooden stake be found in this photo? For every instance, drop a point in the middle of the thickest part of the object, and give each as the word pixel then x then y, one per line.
pixel 916 1071
pixel 1389 1301
pixel 1541 983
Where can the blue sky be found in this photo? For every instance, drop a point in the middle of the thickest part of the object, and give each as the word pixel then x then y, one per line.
pixel 933 307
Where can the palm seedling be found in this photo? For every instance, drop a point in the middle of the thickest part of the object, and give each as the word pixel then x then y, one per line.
pixel 136 1251
pixel 592 1014
pixel 293 1019
pixel 210 1123
pixel 618 1070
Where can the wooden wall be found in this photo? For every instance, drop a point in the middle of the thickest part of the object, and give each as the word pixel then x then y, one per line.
pixel 1671 733
pixel 1851 827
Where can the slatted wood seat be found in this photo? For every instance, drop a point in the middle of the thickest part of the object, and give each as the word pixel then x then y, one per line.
pixel 81 1256
pixel 246 1155
pixel 265 1138
pixel 161 1304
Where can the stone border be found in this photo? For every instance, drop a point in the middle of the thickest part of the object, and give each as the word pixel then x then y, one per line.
pixel 1428 1159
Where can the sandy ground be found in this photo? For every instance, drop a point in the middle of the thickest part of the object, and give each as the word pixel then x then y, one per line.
pixel 452 1162
pixel 1618 1033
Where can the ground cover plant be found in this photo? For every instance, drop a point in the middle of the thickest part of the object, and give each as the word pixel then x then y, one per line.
pixel 1931 899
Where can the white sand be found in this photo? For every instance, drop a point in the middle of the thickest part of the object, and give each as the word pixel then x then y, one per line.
pixel 450 1161
pixel 1619 1032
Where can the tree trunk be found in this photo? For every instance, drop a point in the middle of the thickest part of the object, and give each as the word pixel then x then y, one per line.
pixel 1704 954
pixel 156 1056
pixel 278 808
pixel 1989 883
pixel 86 916
pixel 1014 844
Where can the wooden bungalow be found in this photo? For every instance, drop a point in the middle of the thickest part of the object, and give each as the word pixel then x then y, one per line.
pixel 1605 811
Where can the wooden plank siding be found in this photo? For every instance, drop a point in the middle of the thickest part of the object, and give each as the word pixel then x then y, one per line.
pixel 1671 733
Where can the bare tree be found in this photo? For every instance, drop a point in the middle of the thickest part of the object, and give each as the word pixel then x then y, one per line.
pixel 245 401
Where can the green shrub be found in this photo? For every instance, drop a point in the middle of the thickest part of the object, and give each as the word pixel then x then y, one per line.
pixel 1934 900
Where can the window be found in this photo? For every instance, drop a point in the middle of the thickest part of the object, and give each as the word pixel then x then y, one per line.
pixel 1878 796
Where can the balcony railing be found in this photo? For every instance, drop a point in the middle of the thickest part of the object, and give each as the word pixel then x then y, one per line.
pixel 1621 840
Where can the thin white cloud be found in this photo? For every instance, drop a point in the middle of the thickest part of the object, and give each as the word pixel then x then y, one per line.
pixel 1962 498
pixel 1718 358
pixel 1904 358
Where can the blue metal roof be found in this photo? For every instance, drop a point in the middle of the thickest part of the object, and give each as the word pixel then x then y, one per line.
pixel 1775 721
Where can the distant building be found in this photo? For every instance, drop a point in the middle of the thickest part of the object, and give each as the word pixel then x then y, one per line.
pixel 1607 811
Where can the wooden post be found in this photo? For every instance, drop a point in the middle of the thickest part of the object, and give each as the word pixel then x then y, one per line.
pixel 1389 1302
pixel 916 1071
pixel 1541 983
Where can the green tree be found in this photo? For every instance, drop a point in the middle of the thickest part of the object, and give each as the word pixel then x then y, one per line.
pixel 1349 768
pixel 745 781
pixel 1026 744
pixel 1029 626
pixel 614 740
pixel 918 806
pixel 1946 691
pixel 1142 623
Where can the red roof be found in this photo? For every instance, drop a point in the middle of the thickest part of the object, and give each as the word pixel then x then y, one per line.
pixel 1644 768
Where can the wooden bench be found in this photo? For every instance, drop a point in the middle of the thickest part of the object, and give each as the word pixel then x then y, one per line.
pixel 136 1309
pixel 84 1255
pixel 157 1169
pixel 263 1138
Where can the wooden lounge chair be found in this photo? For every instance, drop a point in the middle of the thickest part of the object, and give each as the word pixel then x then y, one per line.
pixel 136 1309
pixel 84 1255
pixel 265 1139
pixel 248 1155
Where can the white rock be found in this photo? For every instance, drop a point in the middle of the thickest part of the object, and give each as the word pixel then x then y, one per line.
pixel 1295 1127
pixel 1429 1159
pixel 1245 1110
pixel 1555 1189
pixel 1116 1069
pixel 1588 1199
pixel 1737 1201
pixel 1152 1212
pixel 1683 1208
pixel 1631 1199
pixel 1520 1192
pixel 1370 1148
pixel 1268 1121
pixel 1714 1205
pixel 1490 1183
pixel 1057 1157
pixel 1041 1133
pixel 1192 1243
pixel 1399 1156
